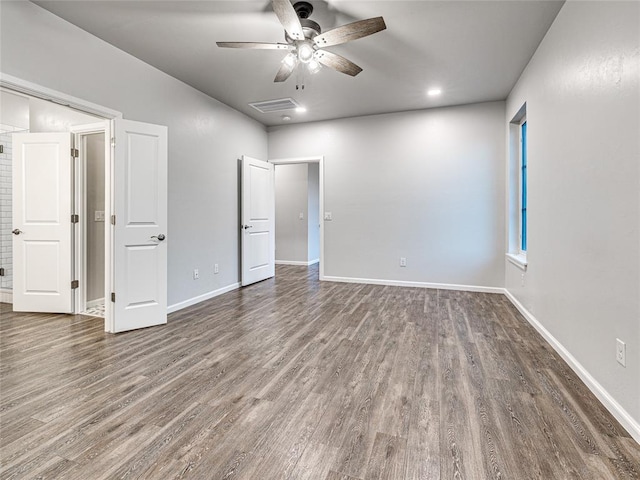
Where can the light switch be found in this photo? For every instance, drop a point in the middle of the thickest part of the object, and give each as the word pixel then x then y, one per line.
pixel 98 216
pixel 301 216
pixel 328 216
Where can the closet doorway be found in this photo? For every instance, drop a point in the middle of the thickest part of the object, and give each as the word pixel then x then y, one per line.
pixel 90 193
pixel 51 259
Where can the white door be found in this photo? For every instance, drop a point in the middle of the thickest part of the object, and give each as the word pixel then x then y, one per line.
pixel 258 221
pixel 42 249
pixel 140 231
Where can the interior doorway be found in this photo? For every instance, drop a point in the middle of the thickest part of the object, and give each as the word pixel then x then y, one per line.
pixel 90 181
pixel 299 206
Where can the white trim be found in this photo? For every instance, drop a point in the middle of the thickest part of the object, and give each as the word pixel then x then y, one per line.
pixel 403 283
pixel 38 91
pixel 281 161
pixel 6 295
pixel 320 161
pixel 295 262
pixel 201 298
pixel 625 419
pixel 518 259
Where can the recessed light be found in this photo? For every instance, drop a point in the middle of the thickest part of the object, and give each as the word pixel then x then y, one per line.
pixel 286 118
pixel 301 109
pixel 434 91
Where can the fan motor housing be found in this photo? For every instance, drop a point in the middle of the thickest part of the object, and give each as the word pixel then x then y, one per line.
pixel 309 28
pixel 303 9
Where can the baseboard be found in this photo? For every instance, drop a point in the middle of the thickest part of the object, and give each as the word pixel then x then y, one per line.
pixel 626 420
pixel 201 298
pixel 6 295
pixel 403 283
pixel 295 262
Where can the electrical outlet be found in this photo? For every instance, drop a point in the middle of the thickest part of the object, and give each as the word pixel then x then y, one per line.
pixel 621 352
pixel 215 268
pixel 301 216
pixel 196 274
pixel 403 262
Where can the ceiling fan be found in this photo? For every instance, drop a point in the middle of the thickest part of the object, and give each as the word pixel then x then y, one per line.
pixel 305 40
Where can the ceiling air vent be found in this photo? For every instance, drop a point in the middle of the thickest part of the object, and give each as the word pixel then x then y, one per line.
pixel 279 105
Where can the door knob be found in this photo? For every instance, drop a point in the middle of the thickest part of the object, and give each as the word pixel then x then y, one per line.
pixel 160 237
pixel 16 231
pixel 247 226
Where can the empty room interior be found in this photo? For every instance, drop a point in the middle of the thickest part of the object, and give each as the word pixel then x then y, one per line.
pixel 332 240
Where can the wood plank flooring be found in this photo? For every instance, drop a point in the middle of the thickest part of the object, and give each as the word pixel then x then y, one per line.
pixel 296 379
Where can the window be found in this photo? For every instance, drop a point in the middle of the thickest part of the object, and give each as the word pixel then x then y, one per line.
pixel 518 186
pixel 523 186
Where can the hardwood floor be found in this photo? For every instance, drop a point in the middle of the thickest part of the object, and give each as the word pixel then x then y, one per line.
pixel 296 379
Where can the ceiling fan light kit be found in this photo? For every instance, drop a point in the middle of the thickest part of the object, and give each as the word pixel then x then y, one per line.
pixel 306 42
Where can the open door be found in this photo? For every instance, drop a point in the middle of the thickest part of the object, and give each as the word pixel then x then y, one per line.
pixel 42 229
pixel 140 230
pixel 258 221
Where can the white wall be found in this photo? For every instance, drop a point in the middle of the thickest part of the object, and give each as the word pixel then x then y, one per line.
pixel 95 183
pixel 291 203
pixel 205 137
pixel 425 185
pixel 14 112
pixel 583 114
pixel 45 116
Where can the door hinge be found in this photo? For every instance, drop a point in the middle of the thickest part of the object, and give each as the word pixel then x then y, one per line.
pixel 75 218
pixel 75 283
pixel 75 153
pixel 1 148
pixel 113 297
pixel 113 219
pixel 1 272
pixel 113 141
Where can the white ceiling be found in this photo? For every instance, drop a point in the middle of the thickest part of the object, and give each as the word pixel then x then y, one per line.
pixel 474 50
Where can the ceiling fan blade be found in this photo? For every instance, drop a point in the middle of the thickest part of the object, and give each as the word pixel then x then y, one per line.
pixel 286 69
pixel 338 63
pixel 256 45
pixel 288 18
pixel 352 31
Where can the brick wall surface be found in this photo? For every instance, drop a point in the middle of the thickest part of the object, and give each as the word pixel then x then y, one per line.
pixel 5 212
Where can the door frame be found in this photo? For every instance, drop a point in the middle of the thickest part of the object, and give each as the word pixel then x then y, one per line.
pixel 15 84
pixel 320 161
pixel 80 208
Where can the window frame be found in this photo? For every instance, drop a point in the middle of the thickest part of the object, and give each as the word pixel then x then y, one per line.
pixel 516 188
pixel 523 158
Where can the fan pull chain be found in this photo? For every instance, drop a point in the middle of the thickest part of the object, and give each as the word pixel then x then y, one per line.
pixel 300 77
